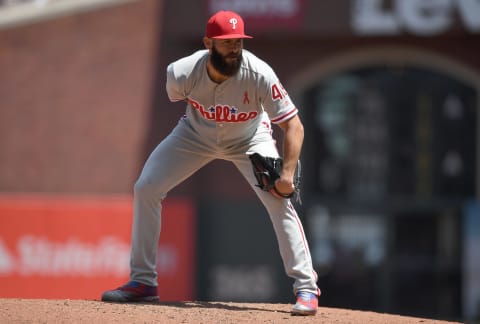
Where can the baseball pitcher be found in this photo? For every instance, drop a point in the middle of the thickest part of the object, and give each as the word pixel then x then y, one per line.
pixel 232 98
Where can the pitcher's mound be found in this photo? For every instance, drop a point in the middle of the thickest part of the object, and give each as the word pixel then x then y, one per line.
pixel 91 311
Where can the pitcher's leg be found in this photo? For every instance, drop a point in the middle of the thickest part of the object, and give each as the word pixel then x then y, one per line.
pixel 289 231
pixel 172 161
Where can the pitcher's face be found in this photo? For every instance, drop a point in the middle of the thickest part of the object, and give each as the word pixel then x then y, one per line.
pixel 226 55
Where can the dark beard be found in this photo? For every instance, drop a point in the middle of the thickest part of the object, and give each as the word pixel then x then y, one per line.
pixel 224 67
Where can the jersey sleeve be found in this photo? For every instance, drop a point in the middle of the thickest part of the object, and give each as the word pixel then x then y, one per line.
pixel 174 86
pixel 277 102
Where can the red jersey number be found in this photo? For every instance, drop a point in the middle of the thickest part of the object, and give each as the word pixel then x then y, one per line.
pixel 278 92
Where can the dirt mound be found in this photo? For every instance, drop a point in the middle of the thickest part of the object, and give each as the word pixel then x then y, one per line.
pixel 91 311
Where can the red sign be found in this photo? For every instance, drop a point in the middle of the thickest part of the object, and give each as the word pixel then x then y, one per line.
pixel 75 248
pixel 263 14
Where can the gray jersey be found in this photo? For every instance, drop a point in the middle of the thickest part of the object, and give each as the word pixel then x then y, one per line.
pixel 233 110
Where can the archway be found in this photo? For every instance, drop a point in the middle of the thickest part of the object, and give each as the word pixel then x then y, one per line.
pixel 390 153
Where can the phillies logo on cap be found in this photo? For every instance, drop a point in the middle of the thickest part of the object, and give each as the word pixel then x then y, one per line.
pixel 233 21
pixel 226 24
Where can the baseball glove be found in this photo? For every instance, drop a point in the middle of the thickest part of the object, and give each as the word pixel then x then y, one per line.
pixel 267 170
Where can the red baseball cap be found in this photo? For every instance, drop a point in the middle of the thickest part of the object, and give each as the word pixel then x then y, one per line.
pixel 226 24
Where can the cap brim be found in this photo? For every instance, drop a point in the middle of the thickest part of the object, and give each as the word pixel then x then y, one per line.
pixel 231 36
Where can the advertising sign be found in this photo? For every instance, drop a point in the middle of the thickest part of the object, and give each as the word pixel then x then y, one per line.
pixel 263 14
pixel 75 248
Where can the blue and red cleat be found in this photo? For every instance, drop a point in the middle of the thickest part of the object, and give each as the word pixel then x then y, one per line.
pixel 307 304
pixel 132 292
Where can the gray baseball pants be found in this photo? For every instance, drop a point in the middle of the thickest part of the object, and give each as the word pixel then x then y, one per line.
pixel 176 158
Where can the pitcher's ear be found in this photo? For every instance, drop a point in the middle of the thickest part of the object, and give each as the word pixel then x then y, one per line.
pixel 208 43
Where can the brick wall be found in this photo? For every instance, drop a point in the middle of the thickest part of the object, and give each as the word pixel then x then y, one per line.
pixel 75 95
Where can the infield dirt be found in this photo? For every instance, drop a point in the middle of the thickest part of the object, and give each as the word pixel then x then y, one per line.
pixel 92 311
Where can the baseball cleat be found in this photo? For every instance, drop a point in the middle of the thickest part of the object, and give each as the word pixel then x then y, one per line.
pixel 132 292
pixel 307 304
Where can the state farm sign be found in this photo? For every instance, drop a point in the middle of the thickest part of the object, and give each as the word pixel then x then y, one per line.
pixel 40 256
pixel 418 17
pixel 76 247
